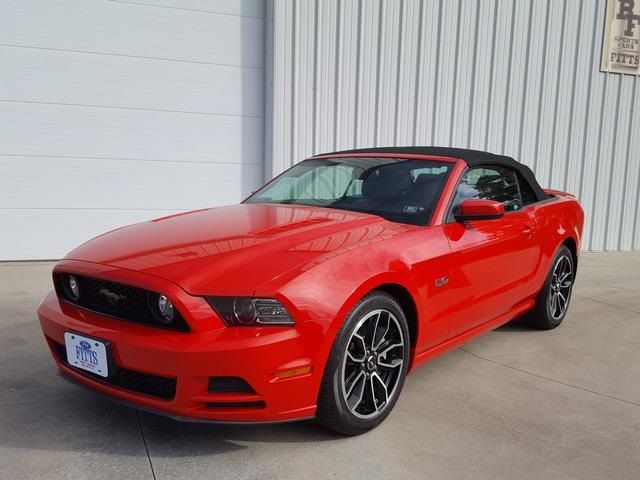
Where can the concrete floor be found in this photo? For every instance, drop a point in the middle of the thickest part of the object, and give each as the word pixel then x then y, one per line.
pixel 515 403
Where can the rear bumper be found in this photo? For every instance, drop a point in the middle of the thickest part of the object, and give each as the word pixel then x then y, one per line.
pixel 260 356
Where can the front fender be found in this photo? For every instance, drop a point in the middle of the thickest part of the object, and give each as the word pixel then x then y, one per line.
pixel 321 298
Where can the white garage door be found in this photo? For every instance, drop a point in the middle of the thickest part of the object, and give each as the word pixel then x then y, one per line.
pixel 114 112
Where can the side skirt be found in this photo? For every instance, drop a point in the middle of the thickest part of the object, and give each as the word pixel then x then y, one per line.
pixel 469 334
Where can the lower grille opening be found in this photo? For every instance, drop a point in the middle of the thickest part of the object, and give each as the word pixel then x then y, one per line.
pixel 230 405
pixel 151 385
pixel 229 385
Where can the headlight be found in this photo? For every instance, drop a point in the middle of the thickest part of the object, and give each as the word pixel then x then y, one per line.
pixel 247 311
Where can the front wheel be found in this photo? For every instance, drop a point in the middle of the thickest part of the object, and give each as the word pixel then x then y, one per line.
pixel 366 367
pixel 552 302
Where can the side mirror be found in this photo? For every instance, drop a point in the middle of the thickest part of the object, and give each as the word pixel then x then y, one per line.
pixel 477 209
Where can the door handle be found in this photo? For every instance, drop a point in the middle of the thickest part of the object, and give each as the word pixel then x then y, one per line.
pixel 528 231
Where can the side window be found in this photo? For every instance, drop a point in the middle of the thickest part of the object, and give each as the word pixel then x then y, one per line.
pixel 490 183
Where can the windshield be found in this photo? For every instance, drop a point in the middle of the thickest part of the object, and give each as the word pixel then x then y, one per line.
pixel 399 190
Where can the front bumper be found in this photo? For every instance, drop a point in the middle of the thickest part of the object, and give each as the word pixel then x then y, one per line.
pixel 266 358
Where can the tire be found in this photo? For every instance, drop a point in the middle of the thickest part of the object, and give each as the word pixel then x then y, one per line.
pixel 548 312
pixel 352 398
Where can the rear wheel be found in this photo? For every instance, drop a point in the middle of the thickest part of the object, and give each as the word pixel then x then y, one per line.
pixel 552 302
pixel 366 368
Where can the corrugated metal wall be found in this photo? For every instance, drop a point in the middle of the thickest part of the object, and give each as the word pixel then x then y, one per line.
pixel 515 77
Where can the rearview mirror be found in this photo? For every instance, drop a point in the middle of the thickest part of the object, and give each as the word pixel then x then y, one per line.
pixel 477 209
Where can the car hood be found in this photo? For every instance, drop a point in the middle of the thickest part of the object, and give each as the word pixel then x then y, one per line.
pixel 234 249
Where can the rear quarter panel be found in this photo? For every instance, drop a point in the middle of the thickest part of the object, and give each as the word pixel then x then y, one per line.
pixel 557 219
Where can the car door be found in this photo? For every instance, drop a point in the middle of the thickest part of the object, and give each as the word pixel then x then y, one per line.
pixel 491 259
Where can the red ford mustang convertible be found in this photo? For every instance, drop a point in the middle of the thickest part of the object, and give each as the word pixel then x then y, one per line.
pixel 316 295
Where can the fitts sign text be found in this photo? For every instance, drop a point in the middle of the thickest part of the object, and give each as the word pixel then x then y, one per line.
pixel 621 47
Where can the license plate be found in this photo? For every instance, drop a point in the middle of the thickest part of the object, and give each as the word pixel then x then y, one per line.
pixel 87 353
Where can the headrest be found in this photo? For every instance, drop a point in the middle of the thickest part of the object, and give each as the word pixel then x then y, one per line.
pixel 386 182
pixel 427 178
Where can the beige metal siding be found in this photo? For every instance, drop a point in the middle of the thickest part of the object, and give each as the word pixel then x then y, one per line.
pixel 515 77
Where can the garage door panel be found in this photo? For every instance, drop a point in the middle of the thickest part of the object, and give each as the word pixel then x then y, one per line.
pixel 243 98
pixel 117 112
pixel 121 184
pixel 121 144
pixel 52 130
pixel 63 77
pixel 179 150
pixel 133 18
pixel 106 148
pixel 216 127
pixel 246 8
pixel 122 68
pixel 112 96
pixel 253 8
pixel 129 29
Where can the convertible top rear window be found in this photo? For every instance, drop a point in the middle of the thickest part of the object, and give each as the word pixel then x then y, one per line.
pixel 399 190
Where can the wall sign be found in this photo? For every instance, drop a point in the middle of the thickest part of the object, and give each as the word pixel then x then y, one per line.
pixel 621 46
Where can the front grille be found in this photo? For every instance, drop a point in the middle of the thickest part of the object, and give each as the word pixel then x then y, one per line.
pixel 117 300
pixel 152 385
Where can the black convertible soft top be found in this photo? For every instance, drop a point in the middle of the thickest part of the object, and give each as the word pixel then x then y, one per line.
pixel 471 157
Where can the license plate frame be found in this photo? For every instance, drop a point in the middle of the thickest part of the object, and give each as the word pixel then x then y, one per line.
pixel 89 354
